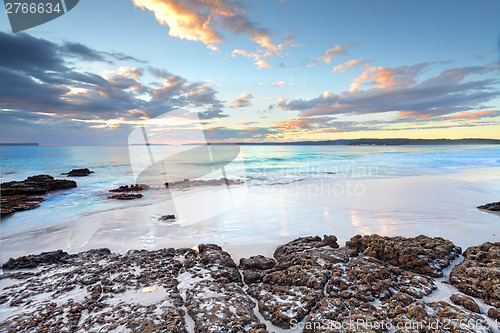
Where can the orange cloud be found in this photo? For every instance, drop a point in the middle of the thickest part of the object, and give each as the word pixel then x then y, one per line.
pixel 383 77
pixel 331 53
pixel 349 64
pixel 263 64
pixel 472 115
pixel 293 124
pixel 183 21
pixel 198 20
pixel 242 101
pixel 239 52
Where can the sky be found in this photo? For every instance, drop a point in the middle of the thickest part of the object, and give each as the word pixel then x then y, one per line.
pixel 258 71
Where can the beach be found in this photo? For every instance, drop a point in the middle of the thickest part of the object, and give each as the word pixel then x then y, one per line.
pixel 437 205
pixel 273 213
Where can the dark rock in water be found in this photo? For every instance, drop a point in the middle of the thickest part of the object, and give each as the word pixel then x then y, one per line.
pixel 79 173
pixel 131 188
pixel 479 274
pixel 186 183
pixel 16 203
pixel 35 185
pixel 167 218
pixel 494 206
pixel 125 196
pixel 465 301
pixel 33 261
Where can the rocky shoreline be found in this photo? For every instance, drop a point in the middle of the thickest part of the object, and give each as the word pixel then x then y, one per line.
pixel 16 194
pixel 372 284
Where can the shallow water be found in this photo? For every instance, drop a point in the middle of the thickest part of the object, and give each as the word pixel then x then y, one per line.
pixel 387 190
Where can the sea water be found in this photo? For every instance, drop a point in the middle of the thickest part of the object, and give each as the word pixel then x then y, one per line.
pixel 263 167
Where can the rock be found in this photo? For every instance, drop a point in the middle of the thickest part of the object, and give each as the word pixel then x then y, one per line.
pixel 97 291
pixel 78 173
pixel 466 302
pixel 421 254
pixel 32 261
pixel 494 313
pixel 257 262
pixel 308 281
pixel 479 274
pixel 416 312
pixel 494 206
pixel 126 188
pixel 167 218
pixel 16 203
pixel 214 305
pixel 331 241
pixel 125 196
pixel 186 183
pixel 215 298
pixel 35 185
pixel 283 304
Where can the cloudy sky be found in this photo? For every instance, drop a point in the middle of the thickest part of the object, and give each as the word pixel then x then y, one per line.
pixel 260 70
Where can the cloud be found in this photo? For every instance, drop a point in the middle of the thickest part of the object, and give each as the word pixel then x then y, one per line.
pixel 279 84
pixel 242 101
pixel 215 134
pixel 239 52
pixel 396 90
pixel 350 64
pixel 331 53
pixel 39 77
pixel 202 20
pixel 211 114
pixel 263 64
pixel 337 50
pixel 294 124
pixel 386 77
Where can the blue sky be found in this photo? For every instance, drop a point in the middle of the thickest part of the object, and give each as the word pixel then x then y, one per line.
pixel 257 70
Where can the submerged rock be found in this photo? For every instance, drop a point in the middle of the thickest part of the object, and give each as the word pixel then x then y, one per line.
pixel 125 196
pixel 35 185
pixel 131 188
pixel 494 206
pixel 78 173
pixel 187 183
pixel 167 218
pixel 16 203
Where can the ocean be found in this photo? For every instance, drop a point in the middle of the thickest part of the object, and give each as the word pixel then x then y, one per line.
pixel 271 174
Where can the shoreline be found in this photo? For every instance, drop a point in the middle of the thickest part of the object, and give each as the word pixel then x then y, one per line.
pixel 439 205
pixel 301 284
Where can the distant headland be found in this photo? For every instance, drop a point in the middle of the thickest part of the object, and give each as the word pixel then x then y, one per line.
pixel 375 142
pixel 19 144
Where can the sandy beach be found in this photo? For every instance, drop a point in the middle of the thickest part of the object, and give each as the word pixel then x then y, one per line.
pixel 437 205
